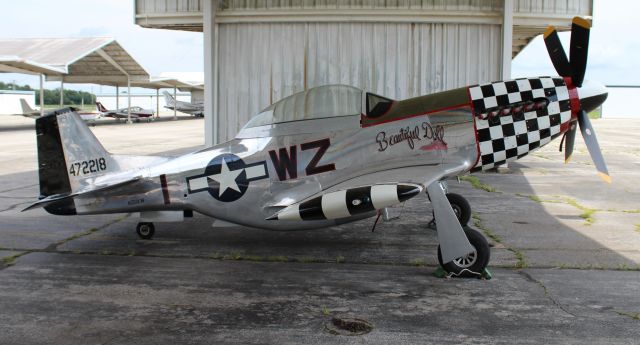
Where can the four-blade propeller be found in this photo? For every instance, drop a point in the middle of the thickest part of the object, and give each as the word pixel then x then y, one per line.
pixel 574 69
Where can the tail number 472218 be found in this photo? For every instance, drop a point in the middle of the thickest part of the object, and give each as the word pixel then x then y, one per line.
pixel 87 167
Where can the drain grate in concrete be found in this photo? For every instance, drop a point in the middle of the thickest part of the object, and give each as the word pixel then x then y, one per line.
pixel 348 326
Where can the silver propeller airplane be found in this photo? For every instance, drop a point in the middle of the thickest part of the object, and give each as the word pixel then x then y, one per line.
pixel 332 155
pixel 195 109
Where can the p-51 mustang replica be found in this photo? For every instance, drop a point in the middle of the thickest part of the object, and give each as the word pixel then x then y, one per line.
pixel 332 155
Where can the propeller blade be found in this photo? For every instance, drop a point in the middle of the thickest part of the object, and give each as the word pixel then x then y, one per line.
pixel 579 49
pixel 589 136
pixel 556 52
pixel 570 138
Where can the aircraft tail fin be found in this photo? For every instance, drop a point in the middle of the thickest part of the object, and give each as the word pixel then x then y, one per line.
pixel 70 157
pixel 169 99
pixel 26 109
pixel 101 108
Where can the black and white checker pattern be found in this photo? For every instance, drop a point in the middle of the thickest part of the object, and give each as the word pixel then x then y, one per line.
pixel 509 137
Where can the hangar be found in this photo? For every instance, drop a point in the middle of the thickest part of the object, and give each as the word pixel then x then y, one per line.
pixel 256 52
pixel 96 60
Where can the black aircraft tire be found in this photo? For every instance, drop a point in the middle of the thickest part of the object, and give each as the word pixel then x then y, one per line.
pixel 465 266
pixel 461 208
pixel 145 230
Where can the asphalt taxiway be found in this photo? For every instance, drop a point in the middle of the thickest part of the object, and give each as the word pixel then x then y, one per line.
pixel 565 262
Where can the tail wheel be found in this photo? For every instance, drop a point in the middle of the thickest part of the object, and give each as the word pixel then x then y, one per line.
pixel 461 207
pixel 473 263
pixel 145 230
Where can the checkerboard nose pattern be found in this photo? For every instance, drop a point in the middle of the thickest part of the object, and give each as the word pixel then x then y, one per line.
pixel 517 116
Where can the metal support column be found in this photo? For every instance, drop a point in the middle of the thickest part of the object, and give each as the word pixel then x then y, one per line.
pixel 210 33
pixel 128 100
pixel 41 94
pixel 157 103
pixel 507 39
pixel 175 104
pixel 61 92
pixel 117 97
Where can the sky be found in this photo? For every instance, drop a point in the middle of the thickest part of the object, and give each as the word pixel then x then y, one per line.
pixel 614 48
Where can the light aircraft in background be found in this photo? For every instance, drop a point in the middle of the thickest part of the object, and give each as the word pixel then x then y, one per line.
pixel 137 113
pixel 27 111
pixel 332 155
pixel 196 109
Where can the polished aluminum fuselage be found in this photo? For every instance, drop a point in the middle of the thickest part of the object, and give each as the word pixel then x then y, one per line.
pixel 419 149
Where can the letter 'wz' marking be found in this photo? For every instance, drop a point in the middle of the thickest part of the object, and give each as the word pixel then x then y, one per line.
pixel 322 145
pixel 285 162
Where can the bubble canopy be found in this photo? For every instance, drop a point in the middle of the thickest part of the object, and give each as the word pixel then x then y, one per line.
pixel 316 103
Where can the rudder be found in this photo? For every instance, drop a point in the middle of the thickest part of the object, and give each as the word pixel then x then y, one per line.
pixel 69 157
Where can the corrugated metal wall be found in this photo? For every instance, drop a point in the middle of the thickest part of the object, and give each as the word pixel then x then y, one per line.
pixel 522 6
pixel 459 5
pixel 262 63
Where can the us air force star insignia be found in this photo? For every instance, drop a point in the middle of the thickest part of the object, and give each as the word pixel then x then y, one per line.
pixel 227 177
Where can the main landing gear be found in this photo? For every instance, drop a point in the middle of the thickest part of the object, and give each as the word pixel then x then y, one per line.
pixel 145 230
pixel 462 251
pixel 460 207
pixel 472 264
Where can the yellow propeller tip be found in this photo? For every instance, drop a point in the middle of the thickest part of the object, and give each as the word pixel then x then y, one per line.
pixel 567 160
pixel 605 177
pixel 581 22
pixel 550 30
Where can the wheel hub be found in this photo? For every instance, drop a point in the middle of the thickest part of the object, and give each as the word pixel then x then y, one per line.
pixel 145 230
pixel 467 260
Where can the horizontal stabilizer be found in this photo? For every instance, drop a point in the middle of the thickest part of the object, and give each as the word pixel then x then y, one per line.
pixel 52 199
pixel 349 202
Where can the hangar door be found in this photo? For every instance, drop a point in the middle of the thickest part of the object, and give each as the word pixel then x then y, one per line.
pixel 261 63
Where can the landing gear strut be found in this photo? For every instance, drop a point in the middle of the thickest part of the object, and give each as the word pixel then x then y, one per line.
pixel 460 207
pixel 472 264
pixel 145 230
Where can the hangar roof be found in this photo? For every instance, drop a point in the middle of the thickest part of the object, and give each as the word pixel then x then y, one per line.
pixel 530 18
pixel 99 60
pixel 165 82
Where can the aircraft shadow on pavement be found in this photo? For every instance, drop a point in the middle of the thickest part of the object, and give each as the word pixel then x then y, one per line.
pixel 521 229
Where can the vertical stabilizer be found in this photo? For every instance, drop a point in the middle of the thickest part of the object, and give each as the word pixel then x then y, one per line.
pixel 26 109
pixel 70 157
pixel 169 99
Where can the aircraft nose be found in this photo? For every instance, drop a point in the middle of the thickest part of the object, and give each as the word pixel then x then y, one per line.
pixel 592 94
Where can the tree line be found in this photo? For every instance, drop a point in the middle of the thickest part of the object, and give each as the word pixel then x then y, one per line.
pixel 52 97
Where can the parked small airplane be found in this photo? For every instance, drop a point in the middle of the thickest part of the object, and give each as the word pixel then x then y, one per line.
pixel 332 155
pixel 27 111
pixel 137 113
pixel 196 109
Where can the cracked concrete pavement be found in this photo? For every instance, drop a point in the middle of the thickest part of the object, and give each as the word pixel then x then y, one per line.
pixel 558 278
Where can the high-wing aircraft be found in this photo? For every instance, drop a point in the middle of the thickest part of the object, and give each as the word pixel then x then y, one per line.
pixel 137 113
pixel 332 155
pixel 196 109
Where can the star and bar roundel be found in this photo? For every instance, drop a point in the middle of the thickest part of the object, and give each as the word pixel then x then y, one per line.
pixel 227 177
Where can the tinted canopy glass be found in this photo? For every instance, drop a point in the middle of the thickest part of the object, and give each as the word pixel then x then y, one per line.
pixel 316 103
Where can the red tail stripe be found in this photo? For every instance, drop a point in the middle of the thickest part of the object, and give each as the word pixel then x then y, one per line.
pixel 165 189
